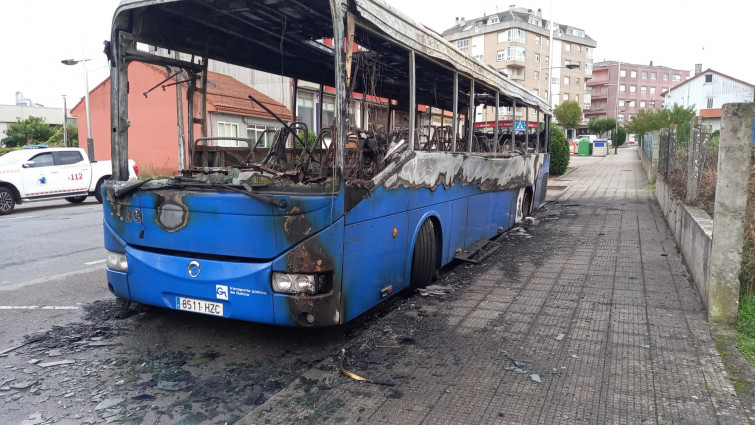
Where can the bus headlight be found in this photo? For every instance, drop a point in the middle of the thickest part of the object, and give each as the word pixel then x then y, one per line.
pixel 303 284
pixel 117 261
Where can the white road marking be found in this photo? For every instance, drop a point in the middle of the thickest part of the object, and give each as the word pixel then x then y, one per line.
pixel 16 218
pixel 39 307
pixel 91 263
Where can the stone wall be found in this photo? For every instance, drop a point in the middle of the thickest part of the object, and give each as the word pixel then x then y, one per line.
pixel 693 231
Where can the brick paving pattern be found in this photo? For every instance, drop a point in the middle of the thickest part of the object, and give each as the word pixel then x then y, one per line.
pixel 602 269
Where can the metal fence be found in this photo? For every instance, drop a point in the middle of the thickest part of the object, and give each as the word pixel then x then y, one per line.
pixel 689 165
pixel 647 146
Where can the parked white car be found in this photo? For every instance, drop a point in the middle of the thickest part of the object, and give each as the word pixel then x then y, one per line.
pixel 38 173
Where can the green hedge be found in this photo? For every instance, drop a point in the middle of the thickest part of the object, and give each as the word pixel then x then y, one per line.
pixel 559 151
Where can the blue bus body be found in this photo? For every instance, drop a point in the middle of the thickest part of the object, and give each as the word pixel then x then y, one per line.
pixel 239 241
pixel 286 242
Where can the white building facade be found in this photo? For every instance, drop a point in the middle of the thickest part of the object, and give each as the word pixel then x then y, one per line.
pixel 707 92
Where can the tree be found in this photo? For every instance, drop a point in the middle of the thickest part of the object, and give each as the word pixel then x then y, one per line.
pixel 559 151
pixel 646 121
pixel 601 125
pixel 568 114
pixel 682 117
pixel 57 138
pixel 29 131
pixel 619 137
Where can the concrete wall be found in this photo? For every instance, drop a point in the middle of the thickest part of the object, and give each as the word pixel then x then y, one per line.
pixel 693 231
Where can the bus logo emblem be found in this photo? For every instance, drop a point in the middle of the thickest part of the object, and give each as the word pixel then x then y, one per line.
pixel 221 291
pixel 194 269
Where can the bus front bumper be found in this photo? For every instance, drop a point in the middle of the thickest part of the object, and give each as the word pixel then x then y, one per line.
pixel 234 290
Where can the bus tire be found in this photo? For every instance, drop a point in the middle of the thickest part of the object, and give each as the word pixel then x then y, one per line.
pixel 423 258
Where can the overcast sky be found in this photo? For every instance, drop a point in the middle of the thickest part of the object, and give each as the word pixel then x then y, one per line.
pixel 37 34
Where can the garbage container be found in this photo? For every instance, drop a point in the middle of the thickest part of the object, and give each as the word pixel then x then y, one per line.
pixel 600 148
pixel 585 148
pixel 572 147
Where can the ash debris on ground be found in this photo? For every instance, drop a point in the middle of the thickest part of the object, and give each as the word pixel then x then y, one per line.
pixel 100 372
pixel 194 368
pixel 416 336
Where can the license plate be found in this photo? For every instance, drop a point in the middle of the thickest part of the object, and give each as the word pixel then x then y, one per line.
pixel 198 306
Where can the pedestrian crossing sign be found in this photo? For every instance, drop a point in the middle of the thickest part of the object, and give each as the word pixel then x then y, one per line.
pixel 519 127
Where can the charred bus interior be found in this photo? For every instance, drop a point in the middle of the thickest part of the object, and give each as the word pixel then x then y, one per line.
pixel 385 81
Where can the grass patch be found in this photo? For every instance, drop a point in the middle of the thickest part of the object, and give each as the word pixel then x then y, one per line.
pixel 652 186
pixel 746 327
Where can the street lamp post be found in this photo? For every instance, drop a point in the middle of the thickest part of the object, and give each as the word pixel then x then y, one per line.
pixel 65 122
pixel 90 141
pixel 550 71
pixel 550 82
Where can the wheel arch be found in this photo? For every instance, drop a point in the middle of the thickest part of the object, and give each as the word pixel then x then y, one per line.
pixel 98 187
pixel 13 190
pixel 102 180
pixel 438 230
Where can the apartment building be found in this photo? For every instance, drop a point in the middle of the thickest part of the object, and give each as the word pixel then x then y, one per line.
pixel 518 43
pixel 618 89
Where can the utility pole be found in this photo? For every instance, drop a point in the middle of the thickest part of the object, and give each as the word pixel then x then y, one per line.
pixel 618 90
pixel 65 122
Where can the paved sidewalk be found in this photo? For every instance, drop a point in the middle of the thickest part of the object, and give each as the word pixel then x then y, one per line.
pixel 596 306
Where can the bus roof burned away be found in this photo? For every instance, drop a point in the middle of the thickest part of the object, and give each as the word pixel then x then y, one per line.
pixel 383 99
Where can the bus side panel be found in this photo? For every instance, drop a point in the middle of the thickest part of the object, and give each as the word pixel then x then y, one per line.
pixel 447 253
pixel 383 202
pixel 487 212
pixel 457 230
pixel 373 260
pixel 541 188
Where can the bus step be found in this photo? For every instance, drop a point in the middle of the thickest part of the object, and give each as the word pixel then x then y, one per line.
pixel 478 252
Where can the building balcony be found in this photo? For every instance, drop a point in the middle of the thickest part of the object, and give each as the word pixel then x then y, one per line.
pixel 596 96
pixel 514 63
pixel 595 110
pixel 599 82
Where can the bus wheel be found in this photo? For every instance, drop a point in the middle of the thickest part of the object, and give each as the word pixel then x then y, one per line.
pixel 423 259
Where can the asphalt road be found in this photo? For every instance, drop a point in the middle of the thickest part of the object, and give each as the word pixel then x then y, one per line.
pixel 50 238
pixel 52 263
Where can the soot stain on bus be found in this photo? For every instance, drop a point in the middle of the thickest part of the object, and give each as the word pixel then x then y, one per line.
pixel 296 225
pixel 312 256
